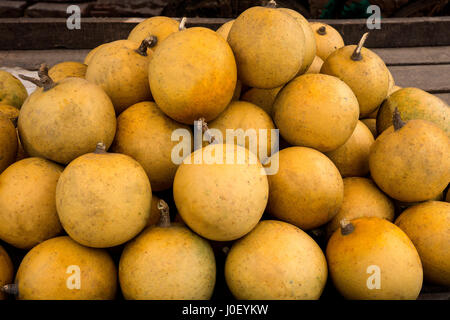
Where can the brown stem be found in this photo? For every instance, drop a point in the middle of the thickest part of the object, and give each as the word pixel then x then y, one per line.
pixel 164 220
pixel 271 4
pixel 322 30
pixel 11 289
pixel 397 120
pixel 356 56
pixel 205 130
pixel 182 25
pixel 346 227
pixel 148 42
pixel 101 148
pixel 44 80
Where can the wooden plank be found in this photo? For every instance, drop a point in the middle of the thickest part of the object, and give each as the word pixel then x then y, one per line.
pixel 52 33
pixel 431 78
pixel 444 96
pixel 414 56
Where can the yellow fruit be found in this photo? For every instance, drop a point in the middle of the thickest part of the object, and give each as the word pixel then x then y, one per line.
pixel 67 69
pixel 391 83
pixel 6 271
pixel 103 199
pixel 317 111
pixel 263 98
pixel 428 226
pixel 8 143
pixel 362 198
pixel 10 112
pixel 373 115
pixel 12 91
pixel 328 39
pixel 307 190
pixel 49 271
pixel 369 249
pixel 276 261
pixel 264 58
pixel 364 72
pixel 372 125
pixel 315 66
pixel 67 120
pixel 352 158
pixel 121 69
pixel 27 202
pixel 90 55
pixel 144 133
pixel 221 201
pixel 411 161
pixel 159 27
pixel 247 118
pixel 310 40
pixel 193 75
pixel 414 103
pixel 167 262
pixel 224 29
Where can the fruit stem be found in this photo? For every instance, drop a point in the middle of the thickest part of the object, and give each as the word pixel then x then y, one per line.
pixel 205 130
pixel 164 220
pixel 397 120
pixel 322 30
pixel 182 25
pixel 11 289
pixel 101 148
pixel 148 42
pixel 44 80
pixel 271 4
pixel 356 56
pixel 346 227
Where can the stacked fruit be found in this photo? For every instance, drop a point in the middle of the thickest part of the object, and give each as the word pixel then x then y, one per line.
pixel 96 141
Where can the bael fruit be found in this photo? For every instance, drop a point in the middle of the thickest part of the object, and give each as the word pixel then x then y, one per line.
pixel 67 69
pixel 327 39
pixel 158 27
pixel 352 158
pixel 193 75
pixel 307 190
pixel 372 125
pixel 364 72
pixel 362 198
pixel 27 202
pixel 315 66
pixel 428 226
pixel 167 262
pixel 264 58
pixel 10 112
pixel 221 192
pixel 373 259
pixel 12 91
pixel 6 271
pixel 8 142
pixel 144 133
pixel 61 121
pixel 224 29
pixel 410 162
pixel 121 69
pixel 317 111
pixel 49 271
pixel 103 199
pixel 275 261
pixel 414 103
pixel 263 98
pixel 90 55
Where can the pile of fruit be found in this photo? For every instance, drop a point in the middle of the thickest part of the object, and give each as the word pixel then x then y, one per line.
pixel 357 198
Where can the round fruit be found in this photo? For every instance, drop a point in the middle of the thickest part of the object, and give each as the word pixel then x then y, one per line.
pixel 372 125
pixel 315 66
pixel 276 261
pixel 410 162
pixel 67 69
pixel 414 103
pixel 12 91
pixel 307 190
pixel 364 72
pixel 159 27
pixel 328 39
pixel 352 158
pixel 27 202
pixel 263 98
pixel 144 133
pixel 103 199
pixel 317 111
pixel 10 112
pixel 6 271
pixel 222 196
pixel 362 198
pixel 428 226
pixel 90 55
pixel 8 142
pixel 167 262
pixel 264 58
pixel 224 29
pixel 61 269
pixel 310 40
pixel 121 69
pixel 241 118
pixel 64 120
pixel 373 259
pixel 193 75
